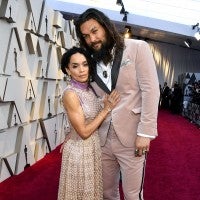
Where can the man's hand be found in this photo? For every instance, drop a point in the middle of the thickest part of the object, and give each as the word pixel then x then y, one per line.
pixel 142 145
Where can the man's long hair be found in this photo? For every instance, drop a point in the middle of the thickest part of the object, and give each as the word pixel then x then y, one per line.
pixel 113 36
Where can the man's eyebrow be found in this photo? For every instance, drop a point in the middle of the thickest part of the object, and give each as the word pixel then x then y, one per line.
pixel 91 29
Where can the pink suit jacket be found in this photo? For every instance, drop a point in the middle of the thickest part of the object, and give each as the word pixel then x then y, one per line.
pixel 139 91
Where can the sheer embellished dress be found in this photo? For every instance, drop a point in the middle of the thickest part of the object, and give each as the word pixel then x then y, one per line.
pixel 81 170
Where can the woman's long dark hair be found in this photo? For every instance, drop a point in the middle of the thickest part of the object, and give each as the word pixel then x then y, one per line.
pixel 113 35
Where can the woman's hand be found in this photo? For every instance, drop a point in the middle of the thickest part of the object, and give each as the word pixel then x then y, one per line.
pixel 110 101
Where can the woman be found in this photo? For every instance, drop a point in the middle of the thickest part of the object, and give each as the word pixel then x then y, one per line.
pixel 81 175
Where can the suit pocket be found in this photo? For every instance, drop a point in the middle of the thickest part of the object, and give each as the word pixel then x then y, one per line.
pixel 136 110
pixel 125 62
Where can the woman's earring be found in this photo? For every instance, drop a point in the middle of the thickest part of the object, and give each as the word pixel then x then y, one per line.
pixel 68 77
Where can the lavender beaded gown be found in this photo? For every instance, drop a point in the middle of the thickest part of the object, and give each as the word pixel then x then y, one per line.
pixel 81 170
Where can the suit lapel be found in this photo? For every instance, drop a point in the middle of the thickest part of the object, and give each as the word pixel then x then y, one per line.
pixel 115 68
pixel 100 83
pixel 114 73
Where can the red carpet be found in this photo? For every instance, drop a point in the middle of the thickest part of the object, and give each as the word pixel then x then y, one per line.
pixel 172 173
pixel 173 165
pixel 38 182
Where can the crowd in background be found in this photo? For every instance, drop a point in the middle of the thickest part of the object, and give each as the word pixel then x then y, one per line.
pixel 171 98
pixel 182 100
pixel 194 92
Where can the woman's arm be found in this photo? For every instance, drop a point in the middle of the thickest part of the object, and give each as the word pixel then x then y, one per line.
pixel 76 116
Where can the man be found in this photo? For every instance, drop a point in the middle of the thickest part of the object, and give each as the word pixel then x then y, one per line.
pixel 165 96
pixel 127 66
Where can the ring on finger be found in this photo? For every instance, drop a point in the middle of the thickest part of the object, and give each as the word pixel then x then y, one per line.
pixel 136 152
pixel 144 151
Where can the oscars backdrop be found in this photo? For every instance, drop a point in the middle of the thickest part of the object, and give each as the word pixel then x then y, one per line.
pixel 33 38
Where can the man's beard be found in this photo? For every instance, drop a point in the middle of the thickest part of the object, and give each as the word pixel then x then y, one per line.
pixel 104 54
